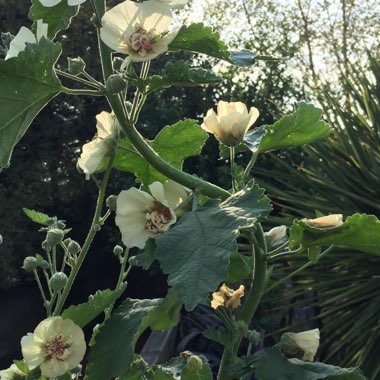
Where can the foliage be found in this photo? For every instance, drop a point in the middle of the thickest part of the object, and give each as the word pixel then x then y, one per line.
pixel 336 176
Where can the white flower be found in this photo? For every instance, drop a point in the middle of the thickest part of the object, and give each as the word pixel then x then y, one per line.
pixel 94 152
pixel 231 122
pixel 8 374
pixel 174 3
pixel 307 341
pixel 327 221
pixel 25 35
pixel 139 30
pixel 57 345
pixel 276 234
pixel 141 216
pixel 52 3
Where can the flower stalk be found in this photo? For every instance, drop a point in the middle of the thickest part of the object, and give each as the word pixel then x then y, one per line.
pixel 88 241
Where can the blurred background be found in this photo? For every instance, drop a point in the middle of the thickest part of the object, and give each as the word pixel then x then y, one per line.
pixel 330 58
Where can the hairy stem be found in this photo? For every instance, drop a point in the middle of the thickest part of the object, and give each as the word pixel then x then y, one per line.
pixel 88 241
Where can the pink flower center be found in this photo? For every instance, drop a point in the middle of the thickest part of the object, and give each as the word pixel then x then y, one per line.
pixel 57 348
pixel 141 41
pixel 158 219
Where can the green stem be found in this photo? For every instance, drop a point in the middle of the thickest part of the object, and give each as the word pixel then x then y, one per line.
pixel 232 163
pixel 251 163
pixel 72 91
pixel 78 79
pixel 158 163
pixel 252 299
pixel 122 276
pixel 41 291
pixel 88 241
pixel 299 270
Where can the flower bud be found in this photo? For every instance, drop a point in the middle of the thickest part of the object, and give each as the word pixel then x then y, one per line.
pixel 117 251
pixel 60 224
pixel 194 363
pixel 41 262
pixel 46 246
pixel 54 236
pixel 76 65
pixel 115 84
pixel 30 264
pixel 276 233
pixel 253 337
pixel 73 247
pixel 328 221
pixel 111 202
pixel 306 341
pixel 97 227
pixel 51 221
pixel 58 281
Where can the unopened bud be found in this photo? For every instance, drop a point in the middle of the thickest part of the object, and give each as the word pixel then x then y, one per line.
pixel 194 363
pixel 117 251
pixel 73 247
pixel 51 221
pixel 76 65
pixel 276 234
pixel 253 337
pixel 97 227
pixel 54 236
pixel 46 246
pixel 30 263
pixel 41 262
pixel 58 281
pixel 60 224
pixel 111 202
pixel 115 84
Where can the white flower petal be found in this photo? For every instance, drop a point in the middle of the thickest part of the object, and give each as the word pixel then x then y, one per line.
pixel 42 29
pixel 92 155
pixel 32 351
pixel 132 228
pixel 328 221
pixel 157 190
pixel 174 193
pixel 253 115
pixel 104 124
pixel 210 122
pixel 155 16
pixel 18 43
pixel 133 200
pixel 54 367
pixel 49 3
pixel 75 2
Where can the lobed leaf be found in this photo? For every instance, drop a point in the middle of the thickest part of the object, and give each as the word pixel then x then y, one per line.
pixel 174 144
pixel 195 253
pixel 58 17
pixel 272 365
pixel 359 231
pixel 32 69
pixel 84 313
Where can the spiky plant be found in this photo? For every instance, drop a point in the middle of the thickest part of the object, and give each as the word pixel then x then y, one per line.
pixel 338 175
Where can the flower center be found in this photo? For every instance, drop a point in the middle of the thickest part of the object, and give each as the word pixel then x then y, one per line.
pixel 141 41
pixel 157 220
pixel 57 348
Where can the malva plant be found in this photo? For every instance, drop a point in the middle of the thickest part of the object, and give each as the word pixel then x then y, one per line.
pixel 193 228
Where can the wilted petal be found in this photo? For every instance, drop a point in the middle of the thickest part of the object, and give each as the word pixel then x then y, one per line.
pixel 92 156
pixel 104 124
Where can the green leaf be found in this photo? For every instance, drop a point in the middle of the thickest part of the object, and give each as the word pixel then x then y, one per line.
pixel 28 83
pixel 175 74
pixel 203 374
pixel 112 353
pixel 84 313
pixel 57 17
pixel 202 39
pixel 295 369
pixel 166 314
pixel 200 243
pixel 21 365
pixel 217 336
pixel 300 127
pixel 174 144
pixel 359 231
pixel 36 216
pixel 240 268
pixel 146 258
